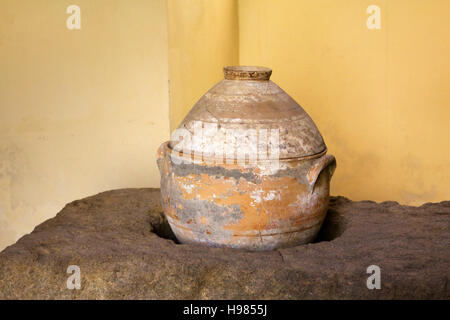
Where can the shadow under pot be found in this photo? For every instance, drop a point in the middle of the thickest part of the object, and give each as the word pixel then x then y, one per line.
pixel 247 168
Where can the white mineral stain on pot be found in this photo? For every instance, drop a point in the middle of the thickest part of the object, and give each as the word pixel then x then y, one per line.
pixel 256 196
pixel 272 195
pixel 188 187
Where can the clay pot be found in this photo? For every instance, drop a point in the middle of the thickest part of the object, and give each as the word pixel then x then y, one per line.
pixel 247 167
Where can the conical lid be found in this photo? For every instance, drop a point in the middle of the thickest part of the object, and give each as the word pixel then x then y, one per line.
pixel 247 101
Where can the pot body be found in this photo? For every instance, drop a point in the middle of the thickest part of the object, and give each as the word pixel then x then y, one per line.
pixel 246 168
pixel 241 206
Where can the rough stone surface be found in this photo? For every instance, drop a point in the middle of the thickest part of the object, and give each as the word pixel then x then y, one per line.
pixel 116 238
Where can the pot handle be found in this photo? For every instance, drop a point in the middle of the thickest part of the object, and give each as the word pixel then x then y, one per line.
pixel 160 154
pixel 326 164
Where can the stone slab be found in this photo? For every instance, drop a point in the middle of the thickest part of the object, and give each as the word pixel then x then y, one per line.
pixel 122 244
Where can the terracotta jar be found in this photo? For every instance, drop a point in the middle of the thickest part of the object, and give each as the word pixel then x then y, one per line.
pixel 247 167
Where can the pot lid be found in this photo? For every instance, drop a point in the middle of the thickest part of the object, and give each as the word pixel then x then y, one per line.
pixel 247 113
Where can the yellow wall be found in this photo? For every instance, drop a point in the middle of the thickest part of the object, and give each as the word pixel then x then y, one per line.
pixel 203 37
pixel 81 111
pixel 379 97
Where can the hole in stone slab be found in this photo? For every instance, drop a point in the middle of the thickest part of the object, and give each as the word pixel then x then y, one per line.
pixel 160 226
pixel 333 227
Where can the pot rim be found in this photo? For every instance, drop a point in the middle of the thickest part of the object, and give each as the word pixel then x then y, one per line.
pixel 257 73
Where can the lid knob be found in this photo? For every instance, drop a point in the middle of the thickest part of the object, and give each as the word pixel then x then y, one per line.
pixel 247 73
